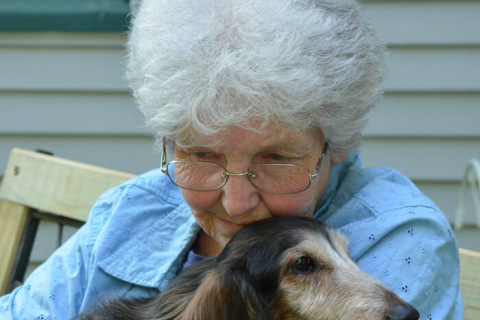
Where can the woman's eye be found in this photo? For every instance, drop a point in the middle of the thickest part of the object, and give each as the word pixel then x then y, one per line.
pixel 202 155
pixel 195 155
pixel 303 265
pixel 278 157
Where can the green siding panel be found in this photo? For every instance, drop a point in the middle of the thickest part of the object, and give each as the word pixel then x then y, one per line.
pixel 64 15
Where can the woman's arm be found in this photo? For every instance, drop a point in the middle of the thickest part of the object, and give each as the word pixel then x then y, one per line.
pixel 56 289
pixel 418 259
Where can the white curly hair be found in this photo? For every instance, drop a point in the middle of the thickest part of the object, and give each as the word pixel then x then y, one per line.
pixel 201 66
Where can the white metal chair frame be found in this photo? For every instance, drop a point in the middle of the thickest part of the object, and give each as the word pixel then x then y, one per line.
pixel 471 178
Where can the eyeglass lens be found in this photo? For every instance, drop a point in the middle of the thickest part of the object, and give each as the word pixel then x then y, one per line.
pixel 266 177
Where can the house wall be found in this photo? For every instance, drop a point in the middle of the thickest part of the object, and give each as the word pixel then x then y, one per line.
pixel 65 93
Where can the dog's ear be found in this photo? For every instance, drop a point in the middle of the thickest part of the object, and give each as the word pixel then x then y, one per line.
pixel 215 299
pixel 256 302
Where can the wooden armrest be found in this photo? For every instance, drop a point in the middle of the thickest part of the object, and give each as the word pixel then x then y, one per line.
pixel 67 189
pixel 55 185
pixel 470 283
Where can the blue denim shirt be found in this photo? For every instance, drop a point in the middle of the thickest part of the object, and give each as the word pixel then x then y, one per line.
pixel 139 234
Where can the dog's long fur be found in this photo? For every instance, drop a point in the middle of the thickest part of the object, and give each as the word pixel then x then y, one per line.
pixel 278 268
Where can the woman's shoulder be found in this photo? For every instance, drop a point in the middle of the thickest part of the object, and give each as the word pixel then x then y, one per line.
pixel 149 191
pixel 153 183
pixel 404 239
pixel 136 205
pixel 400 236
pixel 379 190
pixel 378 201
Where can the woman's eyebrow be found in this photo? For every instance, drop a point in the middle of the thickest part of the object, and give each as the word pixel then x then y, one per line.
pixel 288 146
pixel 191 149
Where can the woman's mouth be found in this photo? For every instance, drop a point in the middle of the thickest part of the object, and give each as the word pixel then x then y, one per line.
pixel 230 227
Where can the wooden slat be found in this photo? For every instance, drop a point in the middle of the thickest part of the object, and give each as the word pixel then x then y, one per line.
pixel 470 283
pixel 56 185
pixel 13 218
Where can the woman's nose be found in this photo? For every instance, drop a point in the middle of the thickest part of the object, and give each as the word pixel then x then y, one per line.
pixel 239 196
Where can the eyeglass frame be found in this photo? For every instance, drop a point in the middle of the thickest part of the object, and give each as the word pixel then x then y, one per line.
pixel 312 176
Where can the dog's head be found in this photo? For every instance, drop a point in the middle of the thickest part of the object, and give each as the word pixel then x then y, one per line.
pixel 294 268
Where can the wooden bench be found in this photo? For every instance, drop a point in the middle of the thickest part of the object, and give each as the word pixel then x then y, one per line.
pixel 470 283
pixel 38 186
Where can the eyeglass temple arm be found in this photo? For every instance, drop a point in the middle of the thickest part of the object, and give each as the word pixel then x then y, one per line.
pixel 322 156
pixel 163 160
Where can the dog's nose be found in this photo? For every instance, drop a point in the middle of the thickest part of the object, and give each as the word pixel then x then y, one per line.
pixel 403 312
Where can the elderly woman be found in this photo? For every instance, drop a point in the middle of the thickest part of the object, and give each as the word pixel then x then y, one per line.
pixel 258 108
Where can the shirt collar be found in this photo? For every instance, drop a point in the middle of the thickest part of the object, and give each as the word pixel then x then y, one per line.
pixel 337 173
pixel 149 234
pixel 155 256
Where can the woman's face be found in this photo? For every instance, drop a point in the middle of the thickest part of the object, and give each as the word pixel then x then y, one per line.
pixel 223 212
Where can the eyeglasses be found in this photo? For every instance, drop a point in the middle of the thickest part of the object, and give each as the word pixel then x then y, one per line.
pixel 270 178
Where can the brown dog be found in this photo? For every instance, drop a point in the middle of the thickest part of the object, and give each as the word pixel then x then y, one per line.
pixel 278 268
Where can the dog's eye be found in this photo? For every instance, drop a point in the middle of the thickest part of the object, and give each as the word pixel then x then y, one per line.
pixel 303 265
